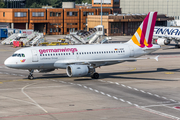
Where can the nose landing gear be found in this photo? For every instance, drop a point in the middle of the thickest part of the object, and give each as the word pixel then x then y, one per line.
pixel 30 76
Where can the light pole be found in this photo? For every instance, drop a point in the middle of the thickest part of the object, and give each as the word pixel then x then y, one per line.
pixel 7 3
pixel 101 12
pixel 167 6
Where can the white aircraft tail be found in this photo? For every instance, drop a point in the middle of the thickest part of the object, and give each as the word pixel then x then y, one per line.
pixel 144 34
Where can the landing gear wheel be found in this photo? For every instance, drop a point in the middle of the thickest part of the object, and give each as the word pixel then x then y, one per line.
pixel 177 46
pixel 95 76
pixel 30 77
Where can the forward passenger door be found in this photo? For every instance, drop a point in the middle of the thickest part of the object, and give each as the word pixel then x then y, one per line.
pixel 34 55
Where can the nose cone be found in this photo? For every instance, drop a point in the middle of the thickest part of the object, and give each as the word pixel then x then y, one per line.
pixel 7 62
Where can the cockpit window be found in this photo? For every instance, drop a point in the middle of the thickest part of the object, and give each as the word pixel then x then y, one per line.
pixel 14 55
pixel 23 55
pixel 18 55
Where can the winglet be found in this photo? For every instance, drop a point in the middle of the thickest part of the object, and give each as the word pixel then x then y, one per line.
pixel 156 58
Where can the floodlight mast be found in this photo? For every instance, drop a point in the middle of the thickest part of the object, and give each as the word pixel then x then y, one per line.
pixel 101 12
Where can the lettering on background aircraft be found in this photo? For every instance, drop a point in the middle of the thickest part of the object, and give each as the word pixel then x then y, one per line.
pixel 41 51
pixel 167 31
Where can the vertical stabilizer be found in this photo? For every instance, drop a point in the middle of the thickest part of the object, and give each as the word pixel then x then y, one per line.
pixel 144 34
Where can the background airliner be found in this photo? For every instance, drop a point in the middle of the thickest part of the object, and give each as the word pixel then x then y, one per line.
pixel 164 35
pixel 79 60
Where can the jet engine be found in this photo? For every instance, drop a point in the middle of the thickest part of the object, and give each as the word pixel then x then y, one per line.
pixel 45 70
pixel 77 70
pixel 163 41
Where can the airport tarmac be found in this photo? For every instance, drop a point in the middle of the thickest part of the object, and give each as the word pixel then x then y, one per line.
pixel 141 90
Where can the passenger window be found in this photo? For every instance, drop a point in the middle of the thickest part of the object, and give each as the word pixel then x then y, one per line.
pixel 73 53
pixel 40 54
pixel 109 52
pixel 94 52
pixel 59 54
pixel 77 53
pixel 89 52
pixel 51 54
pixel 69 53
pixel 56 54
pixel 45 54
pixel 114 51
pixel 64 53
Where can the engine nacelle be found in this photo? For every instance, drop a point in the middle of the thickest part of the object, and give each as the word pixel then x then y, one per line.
pixel 45 70
pixel 163 41
pixel 77 70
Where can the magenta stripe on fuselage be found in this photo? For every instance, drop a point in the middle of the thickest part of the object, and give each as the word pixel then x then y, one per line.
pixel 152 29
pixel 145 23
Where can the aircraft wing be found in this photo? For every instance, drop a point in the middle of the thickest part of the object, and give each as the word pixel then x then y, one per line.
pixel 89 62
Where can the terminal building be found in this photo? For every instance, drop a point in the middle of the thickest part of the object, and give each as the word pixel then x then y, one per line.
pixel 123 24
pixel 169 7
pixel 71 17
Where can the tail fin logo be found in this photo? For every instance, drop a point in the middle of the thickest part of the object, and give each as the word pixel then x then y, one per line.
pixel 143 35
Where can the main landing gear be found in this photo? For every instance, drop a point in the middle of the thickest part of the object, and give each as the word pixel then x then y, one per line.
pixel 177 46
pixel 94 74
pixel 30 76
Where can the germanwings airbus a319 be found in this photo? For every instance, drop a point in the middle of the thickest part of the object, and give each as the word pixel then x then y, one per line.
pixel 81 60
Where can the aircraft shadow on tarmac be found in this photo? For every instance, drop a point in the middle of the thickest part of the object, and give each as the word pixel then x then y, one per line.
pixel 51 76
pixel 167 53
pixel 114 75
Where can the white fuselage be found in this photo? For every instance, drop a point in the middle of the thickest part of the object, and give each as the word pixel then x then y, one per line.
pixel 51 57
